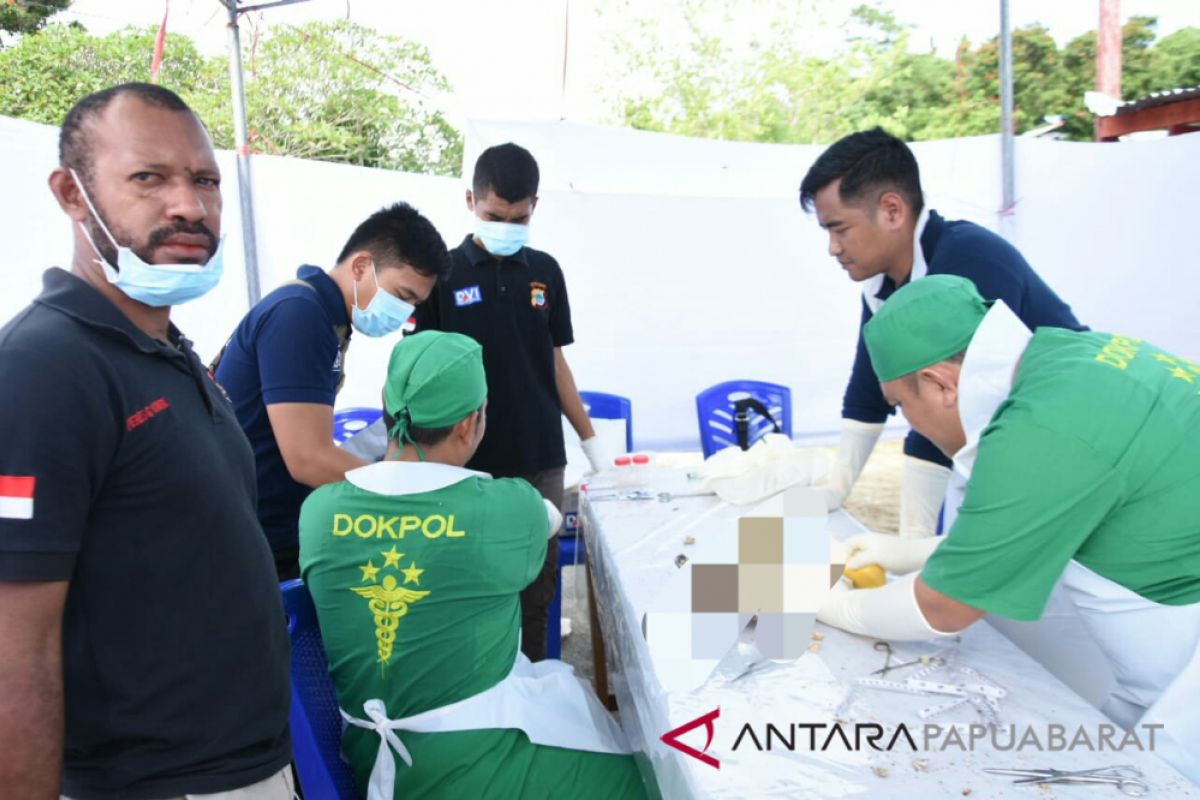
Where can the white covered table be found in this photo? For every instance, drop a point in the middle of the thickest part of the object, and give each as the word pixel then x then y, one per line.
pixel 632 548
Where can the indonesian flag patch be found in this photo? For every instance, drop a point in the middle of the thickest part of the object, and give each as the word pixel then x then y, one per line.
pixel 16 496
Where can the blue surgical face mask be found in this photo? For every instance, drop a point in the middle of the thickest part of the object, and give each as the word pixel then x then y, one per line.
pixel 501 238
pixel 153 284
pixel 385 314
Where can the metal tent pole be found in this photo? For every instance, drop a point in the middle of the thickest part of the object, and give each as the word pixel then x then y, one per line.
pixel 242 144
pixel 242 141
pixel 1006 110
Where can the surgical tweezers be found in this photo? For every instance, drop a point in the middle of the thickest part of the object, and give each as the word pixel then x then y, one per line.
pixel 642 494
pixel 1125 777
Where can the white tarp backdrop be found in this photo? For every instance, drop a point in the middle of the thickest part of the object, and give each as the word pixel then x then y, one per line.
pixel 689 261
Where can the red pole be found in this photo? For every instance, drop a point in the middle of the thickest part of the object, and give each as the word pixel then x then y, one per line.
pixel 1108 49
pixel 1108 52
pixel 159 42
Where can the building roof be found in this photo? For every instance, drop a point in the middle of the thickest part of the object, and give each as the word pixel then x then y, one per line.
pixel 1159 99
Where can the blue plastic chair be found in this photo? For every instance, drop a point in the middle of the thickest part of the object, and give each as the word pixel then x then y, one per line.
pixel 715 408
pixel 599 405
pixel 350 421
pixel 316 723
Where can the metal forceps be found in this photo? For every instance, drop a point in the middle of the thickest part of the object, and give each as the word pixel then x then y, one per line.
pixel 1125 777
pixel 884 647
pixel 924 661
pixel 643 494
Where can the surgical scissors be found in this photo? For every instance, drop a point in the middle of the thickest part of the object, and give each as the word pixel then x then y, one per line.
pixel 1125 777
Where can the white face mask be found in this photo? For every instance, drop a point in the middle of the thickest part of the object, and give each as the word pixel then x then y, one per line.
pixel 385 314
pixel 501 238
pixel 153 284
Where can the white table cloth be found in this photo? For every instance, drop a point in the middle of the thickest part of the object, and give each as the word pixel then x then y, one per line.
pixel 632 549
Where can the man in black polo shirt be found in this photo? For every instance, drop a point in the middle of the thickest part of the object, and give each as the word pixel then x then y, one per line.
pixel 144 652
pixel 512 299
pixel 283 366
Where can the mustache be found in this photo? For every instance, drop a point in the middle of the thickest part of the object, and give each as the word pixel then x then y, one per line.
pixel 160 235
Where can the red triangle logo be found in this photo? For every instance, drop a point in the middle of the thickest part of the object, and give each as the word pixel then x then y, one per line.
pixel 671 737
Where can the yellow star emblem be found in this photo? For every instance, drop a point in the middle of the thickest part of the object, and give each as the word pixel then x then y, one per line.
pixel 1182 374
pixel 391 558
pixel 369 571
pixel 412 574
pixel 1163 357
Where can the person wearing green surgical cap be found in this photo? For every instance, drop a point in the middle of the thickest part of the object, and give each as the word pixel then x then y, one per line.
pixel 1080 454
pixel 415 566
pixel 429 391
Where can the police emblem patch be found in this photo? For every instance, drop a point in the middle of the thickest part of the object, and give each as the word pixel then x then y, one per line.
pixel 537 294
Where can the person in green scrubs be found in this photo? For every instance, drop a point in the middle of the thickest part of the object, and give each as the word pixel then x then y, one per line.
pixel 415 566
pixel 1082 457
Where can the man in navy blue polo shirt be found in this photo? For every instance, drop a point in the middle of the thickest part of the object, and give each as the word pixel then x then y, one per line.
pixel 866 189
pixel 512 299
pixel 284 364
pixel 144 651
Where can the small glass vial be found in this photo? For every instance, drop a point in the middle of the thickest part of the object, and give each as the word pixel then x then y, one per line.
pixel 641 469
pixel 623 472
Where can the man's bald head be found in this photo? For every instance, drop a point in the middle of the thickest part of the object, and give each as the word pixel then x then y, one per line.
pixel 74 145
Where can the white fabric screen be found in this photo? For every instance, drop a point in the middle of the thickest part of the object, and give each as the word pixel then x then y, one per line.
pixel 689 261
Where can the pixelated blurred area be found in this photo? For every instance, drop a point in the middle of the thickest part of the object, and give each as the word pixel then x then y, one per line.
pixel 770 562
pixel 875 502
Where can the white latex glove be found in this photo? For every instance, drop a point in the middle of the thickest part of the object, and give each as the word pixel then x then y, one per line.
pixel 854 448
pixel 922 492
pixel 554 517
pixel 896 555
pixel 597 454
pixel 889 612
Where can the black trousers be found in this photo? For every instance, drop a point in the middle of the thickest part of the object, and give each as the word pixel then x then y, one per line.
pixel 537 596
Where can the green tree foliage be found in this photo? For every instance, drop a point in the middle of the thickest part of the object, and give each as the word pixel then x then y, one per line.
pixel 774 91
pixel 769 90
pixel 21 16
pixel 328 91
pixel 342 92
pixel 1178 59
pixel 43 75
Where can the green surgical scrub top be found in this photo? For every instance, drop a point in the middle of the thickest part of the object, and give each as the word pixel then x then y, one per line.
pixel 418 599
pixel 1093 456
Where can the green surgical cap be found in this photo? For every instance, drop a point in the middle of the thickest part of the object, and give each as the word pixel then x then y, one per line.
pixel 434 380
pixel 923 323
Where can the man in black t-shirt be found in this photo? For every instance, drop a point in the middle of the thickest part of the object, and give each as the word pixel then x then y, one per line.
pixel 512 299
pixel 145 653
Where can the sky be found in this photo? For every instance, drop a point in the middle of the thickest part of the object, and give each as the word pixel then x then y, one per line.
pixel 505 60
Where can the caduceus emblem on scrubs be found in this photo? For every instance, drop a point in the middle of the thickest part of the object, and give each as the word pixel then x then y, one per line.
pixel 389 601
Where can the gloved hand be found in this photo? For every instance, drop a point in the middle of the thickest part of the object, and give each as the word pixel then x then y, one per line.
pixel 554 518
pixel 597 454
pixel 922 492
pixel 896 555
pixel 854 448
pixel 889 612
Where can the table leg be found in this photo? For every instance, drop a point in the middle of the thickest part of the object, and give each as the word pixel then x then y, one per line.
pixel 599 661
